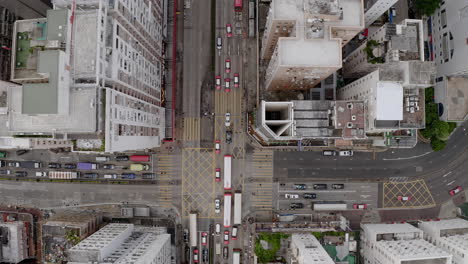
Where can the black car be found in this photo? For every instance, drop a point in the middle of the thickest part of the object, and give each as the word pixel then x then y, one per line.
pixel 108 166
pixel 320 186
pixel 122 158
pixel 296 205
pixel 69 166
pixel 300 186
pixel 338 186
pixel 21 174
pixel 228 137
pixel 21 152
pixel 225 253
pixel 310 196
pixel 205 255
pixel 90 175
pixel 54 166
pixel 148 176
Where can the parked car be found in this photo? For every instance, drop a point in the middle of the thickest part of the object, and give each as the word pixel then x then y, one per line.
pixel 110 176
pixel 225 252
pixel 54 165
pixel 205 255
pixel 195 255
pixel 218 228
pixel 21 152
pixel 102 158
pixel 21 174
pixel 296 205
pixel 403 198
pixel 218 82
pixel 69 166
pixel 218 146
pixel 234 233
pixel 226 237
pixel 14 164
pixel 346 153
pixel 291 196
pixel 455 190
pixel 228 136
pixel 219 43
pixel 360 206
pixel 218 174
pixel 204 238
pixel 148 176
pixel 227 85
pixel 108 166
pixel 300 186
pixel 236 80
pixel 320 186
pixel 227 119
pixel 122 158
pixel 217 206
pixel 329 153
pixel 227 65
pixel 310 196
pixel 229 30
pixel 6 172
pixel 41 174
pixel 90 175
pixel 186 235
pixel 337 186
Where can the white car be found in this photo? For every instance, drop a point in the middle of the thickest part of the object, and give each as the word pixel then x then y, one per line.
pixel 346 153
pixel 217 206
pixel 291 196
pixel 227 122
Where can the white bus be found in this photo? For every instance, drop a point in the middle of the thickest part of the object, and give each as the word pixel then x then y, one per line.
pixel 63 175
pixel 227 172
pixel 193 229
pixel 227 209
pixel 236 256
pixel 237 208
pixel 329 206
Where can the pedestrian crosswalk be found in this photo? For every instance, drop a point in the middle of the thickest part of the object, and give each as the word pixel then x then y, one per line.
pixel 261 181
pixel 191 129
pixel 228 102
pixel 165 174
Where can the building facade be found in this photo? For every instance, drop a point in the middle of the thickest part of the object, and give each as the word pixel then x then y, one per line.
pixel 375 9
pixel 93 68
pixel 123 244
pixel 450 235
pixel 448 48
pixel 398 244
pixel 15 241
pixel 303 40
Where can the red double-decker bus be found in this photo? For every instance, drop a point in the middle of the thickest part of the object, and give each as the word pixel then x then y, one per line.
pixel 140 158
pixel 238 5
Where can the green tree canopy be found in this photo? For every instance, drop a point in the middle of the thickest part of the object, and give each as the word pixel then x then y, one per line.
pixel 438 144
pixel 427 7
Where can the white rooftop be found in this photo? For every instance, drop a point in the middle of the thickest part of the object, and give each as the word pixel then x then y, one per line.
pixel 310 250
pixel 419 249
pixel 307 52
pixel 446 224
pixel 286 9
pixel 104 237
pixel 352 15
pixel 389 101
pixel 390 228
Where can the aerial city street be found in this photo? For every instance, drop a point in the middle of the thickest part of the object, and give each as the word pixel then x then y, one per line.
pixel 234 131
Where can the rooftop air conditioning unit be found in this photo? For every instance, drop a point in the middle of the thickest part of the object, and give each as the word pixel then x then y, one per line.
pixel 350 105
pixel 349 125
pixel 353 117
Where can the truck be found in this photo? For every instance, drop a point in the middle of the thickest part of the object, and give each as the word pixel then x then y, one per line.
pixel 140 158
pixel 30 164
pixel 236 255
pixel 227 209
pixel 227 172
pixel 86 166
pixel 139 167
pixel 218 249
pixel 237 208
pixel 193 229
pixel 329 206
pixel 63 175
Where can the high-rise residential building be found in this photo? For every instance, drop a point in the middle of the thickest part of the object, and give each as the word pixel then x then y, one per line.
pixel 303 40
pixel 302 120
pixel 91 68
pixel 450 235
pixel 399 244
pixel 306 249
pixel 391 43
pixel 375 9
pixel 123 244
pixel 448 47
pixel 394 95
pixel 15 239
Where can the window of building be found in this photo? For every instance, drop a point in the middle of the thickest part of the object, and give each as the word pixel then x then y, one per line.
pixel 443 17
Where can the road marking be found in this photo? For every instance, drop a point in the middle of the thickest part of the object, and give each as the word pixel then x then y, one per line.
pixel 450 183
pixel 413 157
pixel 447 174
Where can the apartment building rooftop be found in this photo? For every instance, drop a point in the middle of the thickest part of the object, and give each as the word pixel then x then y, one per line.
pixel 307 249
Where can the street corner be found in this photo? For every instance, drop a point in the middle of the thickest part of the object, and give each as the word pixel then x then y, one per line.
pixel 407 194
